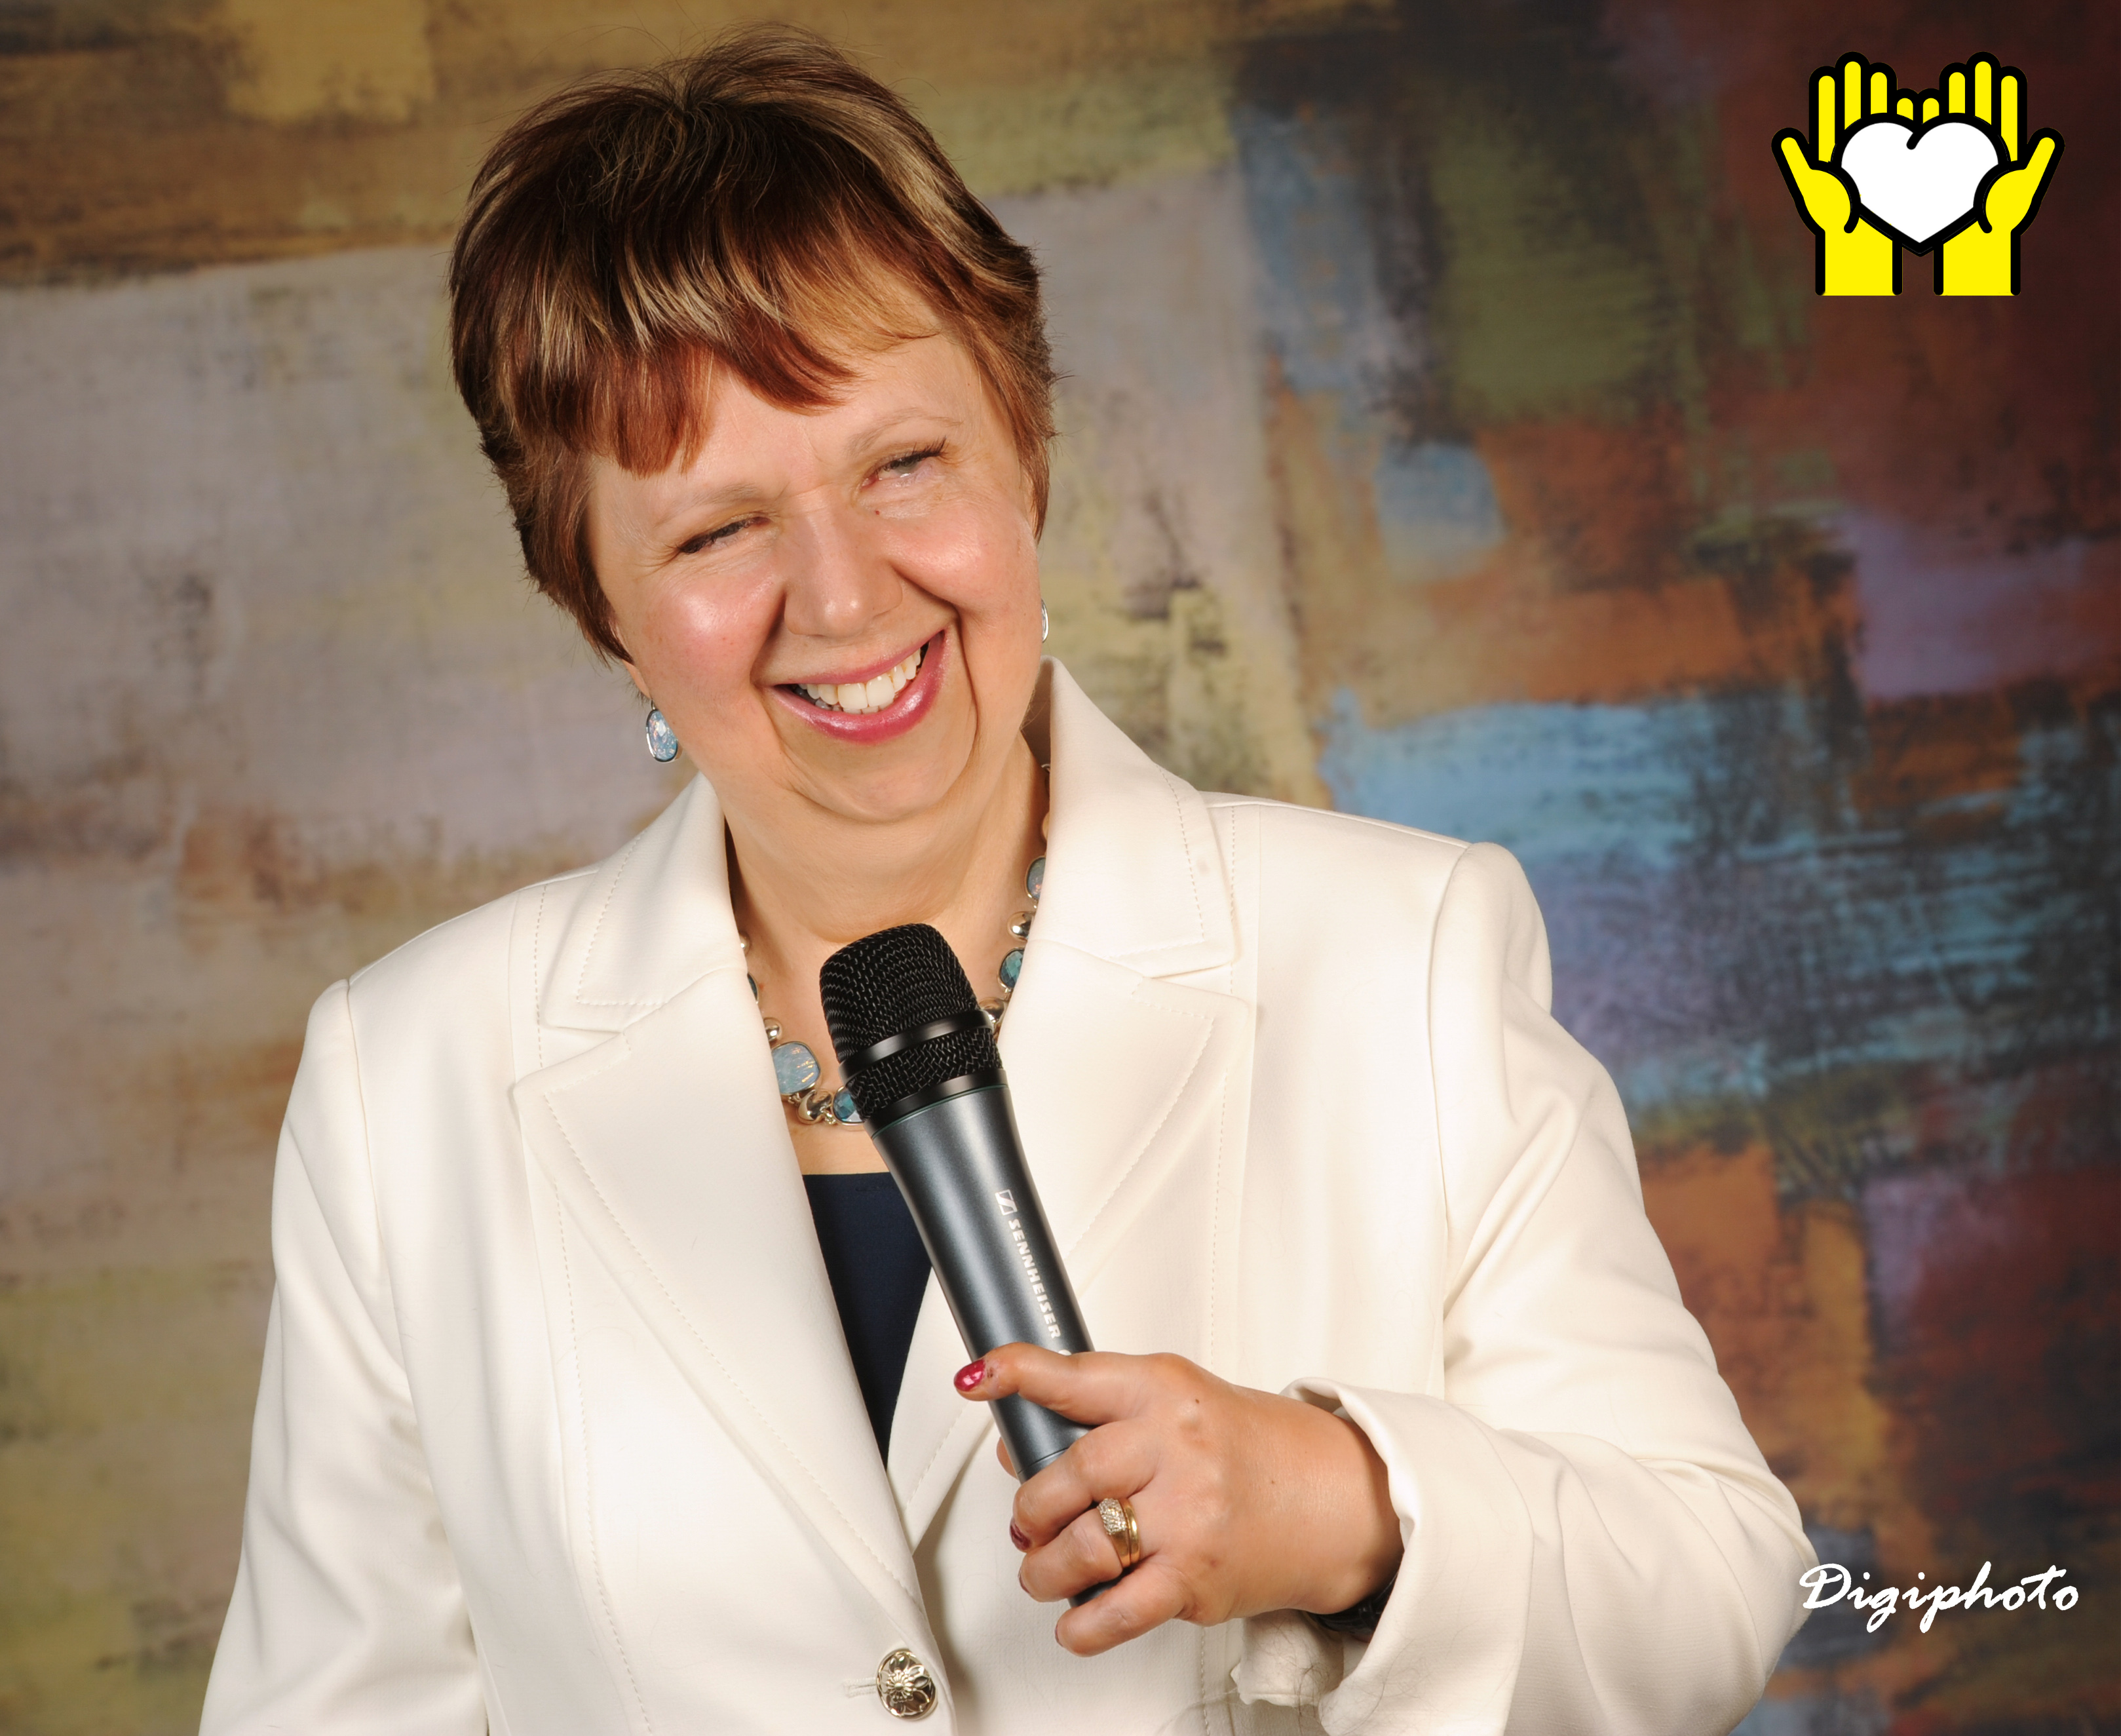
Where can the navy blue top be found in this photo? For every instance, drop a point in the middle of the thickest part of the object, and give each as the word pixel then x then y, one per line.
pixel 879 1269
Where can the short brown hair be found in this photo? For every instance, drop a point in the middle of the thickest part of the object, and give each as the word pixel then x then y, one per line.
pixel 764 205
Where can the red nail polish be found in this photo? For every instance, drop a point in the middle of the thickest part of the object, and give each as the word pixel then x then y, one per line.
pixel 1018 1537
pixel 971 1374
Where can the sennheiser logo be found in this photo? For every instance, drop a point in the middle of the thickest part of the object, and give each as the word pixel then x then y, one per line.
pixel 1004 1198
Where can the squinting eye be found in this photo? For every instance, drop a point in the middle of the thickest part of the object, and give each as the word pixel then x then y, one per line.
pixel 907 463
pixel 707 539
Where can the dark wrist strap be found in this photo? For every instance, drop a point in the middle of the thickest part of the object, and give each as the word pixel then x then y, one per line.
pixel 1360 1619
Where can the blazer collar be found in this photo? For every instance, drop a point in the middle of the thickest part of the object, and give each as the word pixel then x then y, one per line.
pixel 652 920
pixel 1133 876
pixel 1133 873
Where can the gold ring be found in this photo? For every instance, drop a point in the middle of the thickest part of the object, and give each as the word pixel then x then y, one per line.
pixel 1118 1517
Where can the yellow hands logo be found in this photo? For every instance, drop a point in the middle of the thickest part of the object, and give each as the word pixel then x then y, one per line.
pixel 1947 169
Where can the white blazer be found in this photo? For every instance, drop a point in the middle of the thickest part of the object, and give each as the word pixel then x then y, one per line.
pixel 558 1434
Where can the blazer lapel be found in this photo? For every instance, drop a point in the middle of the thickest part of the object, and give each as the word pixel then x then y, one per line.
pixel 1128 1085
pixel 670 1149
pixel 1124 1087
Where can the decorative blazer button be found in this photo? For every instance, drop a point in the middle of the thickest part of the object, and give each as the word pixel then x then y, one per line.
pixel 904 1685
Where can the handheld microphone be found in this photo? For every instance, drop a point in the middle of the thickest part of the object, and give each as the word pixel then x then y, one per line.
pixel 920 1057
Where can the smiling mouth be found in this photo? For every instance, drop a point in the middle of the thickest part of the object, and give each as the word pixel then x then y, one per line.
pixel 858 698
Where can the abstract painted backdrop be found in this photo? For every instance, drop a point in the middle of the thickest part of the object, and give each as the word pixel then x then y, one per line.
pixel 1451 434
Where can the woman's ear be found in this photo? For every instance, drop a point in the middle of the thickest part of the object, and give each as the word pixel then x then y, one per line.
pixel 640 686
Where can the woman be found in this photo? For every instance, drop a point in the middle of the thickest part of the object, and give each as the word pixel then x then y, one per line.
pixel 583 1410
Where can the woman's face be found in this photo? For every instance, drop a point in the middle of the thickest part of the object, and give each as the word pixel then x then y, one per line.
pixel 836 610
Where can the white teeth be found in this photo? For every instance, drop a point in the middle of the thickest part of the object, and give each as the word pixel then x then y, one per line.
pixel 861 696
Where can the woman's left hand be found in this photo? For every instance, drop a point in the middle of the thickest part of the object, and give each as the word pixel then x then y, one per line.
pixel 1246 1502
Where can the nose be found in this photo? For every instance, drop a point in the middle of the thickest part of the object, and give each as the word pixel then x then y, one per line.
pixel 839 577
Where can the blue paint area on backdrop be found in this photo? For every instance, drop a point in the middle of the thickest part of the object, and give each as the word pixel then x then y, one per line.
pixel 1325 309
pixel 1727 925
pixel 1547 782
pixel 1436 507
pixel 1335 334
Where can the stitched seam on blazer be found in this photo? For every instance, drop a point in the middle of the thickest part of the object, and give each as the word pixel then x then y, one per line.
pixel 589 1468
pixel 589 948
pixel 1230 889
pixel 1211 1702
pixel 1215 1193
pixel 1177 1096
pixel 735 1385
pixel 375 1196
pixel 1435 1090
pixel 1173 788
pixel 536 977
pixel 1192 879
pixel 1235 1208
pixel 921 1477
pixel 1201 1636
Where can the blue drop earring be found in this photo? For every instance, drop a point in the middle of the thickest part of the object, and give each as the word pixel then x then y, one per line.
pixel 662 738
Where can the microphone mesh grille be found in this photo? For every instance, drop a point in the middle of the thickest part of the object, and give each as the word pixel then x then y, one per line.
pixel 894 981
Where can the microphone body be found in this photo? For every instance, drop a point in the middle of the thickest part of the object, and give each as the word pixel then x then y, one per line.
pixel 960 1165
pixel 921 1065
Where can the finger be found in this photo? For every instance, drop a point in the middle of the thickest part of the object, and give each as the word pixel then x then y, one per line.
pixel 1955 91
pixel 1852 91
pixel 1823 111
pixel 1081 1556
pixel 1881 90
pixel 1147 1597
pixel 1930 108
pixel 1096 1387
pixel 1984 88
pixel 1065 1385
pixel 1808 182
pixel 2010 110
pixel 2041 160
pixel 1118 1459
pixel 1904 106
pixel 1001 1452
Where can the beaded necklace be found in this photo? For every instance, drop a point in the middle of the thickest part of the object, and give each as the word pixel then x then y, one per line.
pixel 795 1070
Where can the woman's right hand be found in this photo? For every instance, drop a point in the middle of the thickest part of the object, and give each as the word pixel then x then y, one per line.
pixel 1246 1502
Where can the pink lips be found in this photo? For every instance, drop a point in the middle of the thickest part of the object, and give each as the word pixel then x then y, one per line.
pixel 866 727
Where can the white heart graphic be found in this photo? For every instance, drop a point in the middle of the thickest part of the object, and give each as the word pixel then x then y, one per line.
pixel 1918 184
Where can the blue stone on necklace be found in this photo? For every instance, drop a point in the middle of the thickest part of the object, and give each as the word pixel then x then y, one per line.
pixel 795 1067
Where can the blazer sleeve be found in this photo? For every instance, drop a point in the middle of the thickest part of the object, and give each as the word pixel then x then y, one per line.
pixel 1593 1541
pixel 348 1616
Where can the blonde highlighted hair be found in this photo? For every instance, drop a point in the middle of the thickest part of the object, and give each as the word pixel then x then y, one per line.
pixel 764 205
